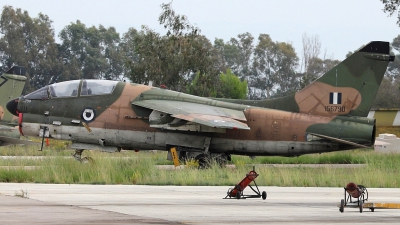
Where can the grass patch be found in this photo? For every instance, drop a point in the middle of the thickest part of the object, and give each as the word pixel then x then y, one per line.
pixel 343 157
pixel 140 168
pixel 128 167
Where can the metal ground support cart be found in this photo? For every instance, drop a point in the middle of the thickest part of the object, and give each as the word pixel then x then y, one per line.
pixel 359 192
pixel 237 191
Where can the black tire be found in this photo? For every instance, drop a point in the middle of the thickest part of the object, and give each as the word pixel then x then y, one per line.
pixel 221 160
pixel 341 208
pixel 372 209
pixel 264 195
pixel 361 207
pixel 204 161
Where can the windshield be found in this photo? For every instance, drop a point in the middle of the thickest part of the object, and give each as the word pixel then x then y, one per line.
pixel 38 94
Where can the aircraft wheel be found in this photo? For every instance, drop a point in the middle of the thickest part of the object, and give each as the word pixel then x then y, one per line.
pixel 341 208
pixel 264 195
pixel 221 159
pixel 204 161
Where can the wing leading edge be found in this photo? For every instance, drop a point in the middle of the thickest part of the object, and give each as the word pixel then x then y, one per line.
pixel 208 115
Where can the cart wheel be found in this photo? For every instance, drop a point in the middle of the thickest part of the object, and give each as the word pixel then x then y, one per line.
pixel 264 195
pixel 238 195
pixel 229 192
pixel 372 209
pixel 341 208
pixel 361 207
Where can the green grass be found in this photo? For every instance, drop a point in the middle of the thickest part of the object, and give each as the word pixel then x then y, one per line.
pixel 342 157
pixel 128 167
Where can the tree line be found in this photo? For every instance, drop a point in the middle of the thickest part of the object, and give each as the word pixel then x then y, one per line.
pixel 183 59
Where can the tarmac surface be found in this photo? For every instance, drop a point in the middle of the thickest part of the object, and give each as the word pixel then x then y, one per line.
pixel 22 203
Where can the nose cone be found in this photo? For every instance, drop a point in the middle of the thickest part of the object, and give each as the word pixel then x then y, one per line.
pixel 12 106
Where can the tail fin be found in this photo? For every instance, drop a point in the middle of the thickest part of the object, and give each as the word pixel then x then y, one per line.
pixel 350 87
pixel 11 85
pixel 347 89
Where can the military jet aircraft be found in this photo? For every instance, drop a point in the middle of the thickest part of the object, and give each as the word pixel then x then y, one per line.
pixel 327 115
pixel 11 85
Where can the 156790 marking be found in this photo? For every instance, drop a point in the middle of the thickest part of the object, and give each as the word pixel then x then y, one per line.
pixel 330 108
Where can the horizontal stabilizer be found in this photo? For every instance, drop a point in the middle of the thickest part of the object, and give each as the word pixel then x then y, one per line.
pixel 340 140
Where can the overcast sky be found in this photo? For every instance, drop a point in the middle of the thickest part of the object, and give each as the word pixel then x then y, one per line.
pixel 342 25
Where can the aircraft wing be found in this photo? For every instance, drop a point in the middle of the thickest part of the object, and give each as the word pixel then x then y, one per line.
pixel 212 116
pixel 4 141
pixel 340 140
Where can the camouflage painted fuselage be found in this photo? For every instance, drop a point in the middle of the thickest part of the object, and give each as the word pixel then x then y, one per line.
pixel 328 115
pixel 122 124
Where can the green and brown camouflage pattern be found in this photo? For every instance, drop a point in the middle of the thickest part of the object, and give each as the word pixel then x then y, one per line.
pixel 328 115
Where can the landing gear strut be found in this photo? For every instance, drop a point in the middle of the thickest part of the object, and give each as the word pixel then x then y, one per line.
pixel 78 156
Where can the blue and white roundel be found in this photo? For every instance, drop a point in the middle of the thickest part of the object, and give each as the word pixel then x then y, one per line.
pixel 88 114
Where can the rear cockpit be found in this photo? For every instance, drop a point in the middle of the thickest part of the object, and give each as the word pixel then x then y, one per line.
pixel 74 88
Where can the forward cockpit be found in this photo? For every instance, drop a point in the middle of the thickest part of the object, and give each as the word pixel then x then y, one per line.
pixel 73 88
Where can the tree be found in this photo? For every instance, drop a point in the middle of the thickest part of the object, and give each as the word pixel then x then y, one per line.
pixel 262 80
pixel 28 42
pixel 286 62
pixel 392 7
pixel 220 59
pixel 311 51
pixel 231 86
pixel 173 59
pixel 129 52
pixel 113 53
pixel 312 65
pixel 239 52
pixel 269 67
pixel 200 86
pixel 90 53
pixel 388 95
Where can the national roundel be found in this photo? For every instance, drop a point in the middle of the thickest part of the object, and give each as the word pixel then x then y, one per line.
pixel 88 114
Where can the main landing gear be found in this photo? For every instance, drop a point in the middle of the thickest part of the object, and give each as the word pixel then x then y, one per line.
pixel 206 160
pixel 78 156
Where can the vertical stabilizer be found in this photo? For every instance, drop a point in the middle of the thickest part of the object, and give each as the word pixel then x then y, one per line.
pixel 350 87
pixel 347 89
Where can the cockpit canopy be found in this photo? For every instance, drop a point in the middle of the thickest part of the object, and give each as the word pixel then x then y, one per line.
pixel 74 88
